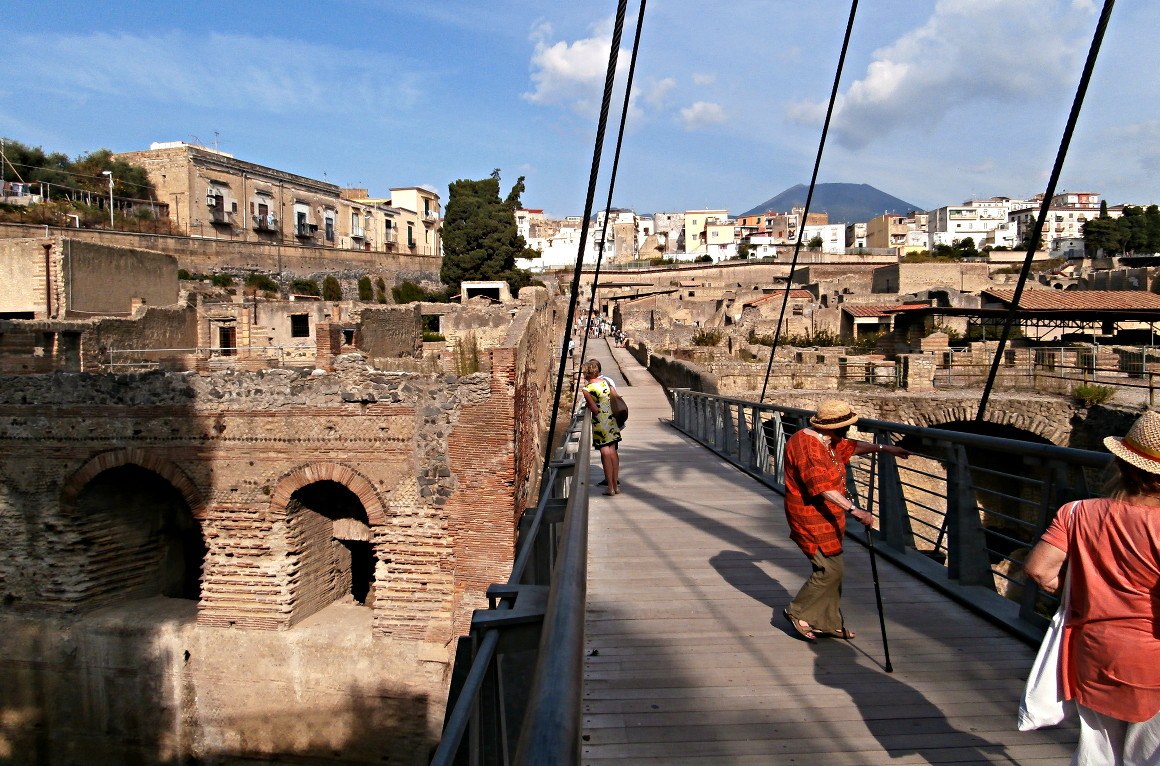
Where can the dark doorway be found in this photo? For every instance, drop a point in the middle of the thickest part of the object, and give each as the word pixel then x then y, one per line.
pixel 332 534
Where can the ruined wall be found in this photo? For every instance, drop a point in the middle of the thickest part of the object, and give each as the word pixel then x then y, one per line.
pixel 103 279
pixel 907 278
pixel 388 333
pixel 22 277
pixel 422 471
pixel 203 255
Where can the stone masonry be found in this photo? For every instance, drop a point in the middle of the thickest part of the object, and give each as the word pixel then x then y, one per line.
pixel 254 497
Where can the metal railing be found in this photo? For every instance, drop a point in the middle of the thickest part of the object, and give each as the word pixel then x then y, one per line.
pixel 1132 371
pixel 960 513
pixel 518 678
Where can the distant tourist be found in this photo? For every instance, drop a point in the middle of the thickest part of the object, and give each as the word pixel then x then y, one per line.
pixel 605 432
pixel 816 503
pixel 1111 641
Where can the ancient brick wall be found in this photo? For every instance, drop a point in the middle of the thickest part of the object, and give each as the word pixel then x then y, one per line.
pixel 387 333
pixel 250 495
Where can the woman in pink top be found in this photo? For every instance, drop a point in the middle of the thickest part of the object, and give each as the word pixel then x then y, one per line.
pixel 1110 656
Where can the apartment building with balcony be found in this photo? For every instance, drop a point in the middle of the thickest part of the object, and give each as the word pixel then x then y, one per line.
pixel 419 224
pixel 214 195
pixel 984 221
pixel 696 222
pixel 1066 215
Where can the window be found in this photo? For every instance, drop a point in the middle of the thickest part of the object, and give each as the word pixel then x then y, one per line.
pixel 410 235
pixel 299 325
pixel 329 229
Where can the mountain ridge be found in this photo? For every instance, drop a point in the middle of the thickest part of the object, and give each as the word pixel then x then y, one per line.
pixel 844 202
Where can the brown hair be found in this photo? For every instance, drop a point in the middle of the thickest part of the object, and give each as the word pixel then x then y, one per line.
pixel 591 368
pixel 1126 480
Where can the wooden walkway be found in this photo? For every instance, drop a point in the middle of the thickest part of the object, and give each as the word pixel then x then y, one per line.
pixel 686 568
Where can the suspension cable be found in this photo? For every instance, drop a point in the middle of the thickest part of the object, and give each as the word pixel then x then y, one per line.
pixel 809 196
pixel 1056 170
pixel 609 80
pixel 612 177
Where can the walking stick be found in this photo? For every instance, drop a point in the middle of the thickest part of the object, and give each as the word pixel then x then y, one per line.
pixel 874 569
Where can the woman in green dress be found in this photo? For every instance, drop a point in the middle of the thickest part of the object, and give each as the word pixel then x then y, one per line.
pixel 605 432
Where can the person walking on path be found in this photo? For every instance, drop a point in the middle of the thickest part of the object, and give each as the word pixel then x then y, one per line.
pixel 816 503
pixel 1110 654
pixel 605 432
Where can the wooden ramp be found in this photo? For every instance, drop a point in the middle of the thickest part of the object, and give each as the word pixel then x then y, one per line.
pixel 686 568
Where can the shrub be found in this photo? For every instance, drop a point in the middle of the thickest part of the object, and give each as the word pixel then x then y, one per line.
pixel 820 339
pixel 305 287
pixel 432 337
pixel 1090 394
pixel 380 290
pixel 331 289
pixel 408 292
pixel 366 291
pixel 708 336
pixel 183 274
pixel 262 282
pixel 222 280
pixel 704 259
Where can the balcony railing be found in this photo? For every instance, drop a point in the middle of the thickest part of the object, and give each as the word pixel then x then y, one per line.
pixel 220 216
pixel 533 629
pixel 957 513
pixel 305 230
pixel 431 215
pixel 265 223
pixel 357 232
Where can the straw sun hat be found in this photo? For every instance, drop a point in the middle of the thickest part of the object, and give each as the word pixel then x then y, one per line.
pixel 834 413
pixel 1141 447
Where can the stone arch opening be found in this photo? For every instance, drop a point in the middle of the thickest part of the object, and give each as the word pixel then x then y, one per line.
pixel 136 537
pixel 1007 492
pixel 330 540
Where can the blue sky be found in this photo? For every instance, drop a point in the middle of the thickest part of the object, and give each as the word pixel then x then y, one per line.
pixel 941 100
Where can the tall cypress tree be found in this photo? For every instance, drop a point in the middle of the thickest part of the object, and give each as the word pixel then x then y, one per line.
pixel 480 239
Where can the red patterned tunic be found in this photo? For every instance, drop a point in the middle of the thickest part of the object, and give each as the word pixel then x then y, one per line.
pixel 810 470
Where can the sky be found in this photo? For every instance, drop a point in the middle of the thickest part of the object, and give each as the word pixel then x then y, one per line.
pixel 940 100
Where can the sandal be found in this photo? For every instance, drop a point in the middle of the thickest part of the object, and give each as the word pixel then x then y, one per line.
pixel 802 627
pixel 844 633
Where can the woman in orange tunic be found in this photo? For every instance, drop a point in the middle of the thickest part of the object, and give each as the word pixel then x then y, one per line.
pixel 1110 655
pixel 816 503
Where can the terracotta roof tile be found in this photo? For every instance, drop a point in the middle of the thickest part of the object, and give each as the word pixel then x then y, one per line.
pixel 880 311
pixel 1080 300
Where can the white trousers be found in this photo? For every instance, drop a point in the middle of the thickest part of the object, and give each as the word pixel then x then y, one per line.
pixel 1106 741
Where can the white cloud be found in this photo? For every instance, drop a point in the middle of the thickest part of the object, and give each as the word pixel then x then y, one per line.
pixel 970 54
pixel 655 93
pixel 571 73
pixel 702 114
pixel 704 79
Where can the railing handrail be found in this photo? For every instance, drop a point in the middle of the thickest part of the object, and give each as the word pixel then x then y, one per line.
pixel 550 732
pixel 977 518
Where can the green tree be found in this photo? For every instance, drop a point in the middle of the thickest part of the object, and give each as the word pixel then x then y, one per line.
pixel 331 289
pixel 1100 234
pixel 815 242
pixel 480 239
pixel 305 287
pixel 366 291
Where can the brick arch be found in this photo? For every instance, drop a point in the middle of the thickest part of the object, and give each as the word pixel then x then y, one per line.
pixel 142 459
pixel 953 412
pixel 361 486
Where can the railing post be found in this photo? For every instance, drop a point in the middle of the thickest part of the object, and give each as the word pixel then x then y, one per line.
pixel 967 559
pixel 893 519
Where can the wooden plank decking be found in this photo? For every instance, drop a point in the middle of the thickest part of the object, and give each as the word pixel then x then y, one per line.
pixel 686 568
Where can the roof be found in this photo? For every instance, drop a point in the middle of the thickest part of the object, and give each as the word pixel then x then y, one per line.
pixel 1079 300
pixel 796 294
pixel 880 311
